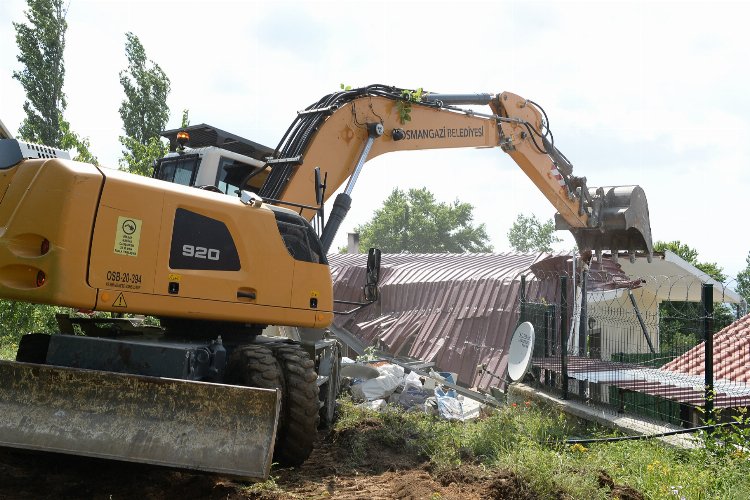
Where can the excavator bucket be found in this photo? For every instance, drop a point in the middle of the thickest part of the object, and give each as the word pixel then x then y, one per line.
pixel 176 423
pixel 620 222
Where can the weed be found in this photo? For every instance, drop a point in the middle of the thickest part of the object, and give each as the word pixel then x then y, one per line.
pixel 404 104
pixel 270 485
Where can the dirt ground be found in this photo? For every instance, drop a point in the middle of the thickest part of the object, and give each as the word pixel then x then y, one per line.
pixel 382 473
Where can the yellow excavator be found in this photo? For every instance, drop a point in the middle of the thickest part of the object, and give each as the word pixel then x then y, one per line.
pixel 228 238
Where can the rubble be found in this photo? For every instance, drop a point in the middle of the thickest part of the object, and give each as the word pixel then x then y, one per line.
pixel 429 393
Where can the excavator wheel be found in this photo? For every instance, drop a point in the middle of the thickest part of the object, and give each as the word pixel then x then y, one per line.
pixel 299 405
pixel 289 369
pixel 254 366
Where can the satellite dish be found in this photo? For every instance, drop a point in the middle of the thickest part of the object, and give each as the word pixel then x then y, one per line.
pixel 519 352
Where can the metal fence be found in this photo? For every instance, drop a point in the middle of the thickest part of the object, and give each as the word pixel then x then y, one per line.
pixel 664 348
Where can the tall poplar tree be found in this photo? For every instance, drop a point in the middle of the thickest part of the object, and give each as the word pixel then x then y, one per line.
pixel 41 43
pixel 743 281
pixel 144 110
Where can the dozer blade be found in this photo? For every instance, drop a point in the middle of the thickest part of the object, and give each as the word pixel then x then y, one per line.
pixel 175 423
pixel 620 221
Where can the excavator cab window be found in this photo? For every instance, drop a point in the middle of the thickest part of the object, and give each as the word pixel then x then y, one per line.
pixel 180 169
pixel 230 174
pixel 300 238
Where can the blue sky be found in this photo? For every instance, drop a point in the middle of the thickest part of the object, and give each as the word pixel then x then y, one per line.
pixel 642 93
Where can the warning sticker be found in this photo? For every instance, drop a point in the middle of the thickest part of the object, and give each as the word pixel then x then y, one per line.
pixel 128 236
pixel 120 301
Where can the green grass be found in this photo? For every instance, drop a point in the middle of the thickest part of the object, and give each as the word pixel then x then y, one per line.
pixel 519 438
pixel 8 348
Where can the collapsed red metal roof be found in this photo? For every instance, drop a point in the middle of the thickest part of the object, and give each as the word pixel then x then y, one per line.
pixel 456 310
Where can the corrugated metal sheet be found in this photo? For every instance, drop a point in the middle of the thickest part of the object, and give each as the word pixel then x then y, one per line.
pixel 456 310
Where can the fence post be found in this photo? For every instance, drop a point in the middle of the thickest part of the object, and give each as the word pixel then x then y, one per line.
pixel 549 333
pixel 564 334
pixel 583 324
pixel 707 296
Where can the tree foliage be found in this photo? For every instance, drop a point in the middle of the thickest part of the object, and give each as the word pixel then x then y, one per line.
pixel 415 222
pixel 41 43
pixel 20 318
pixel 690 255
pixel 743 281
pixel 144 110
pixel 528 234
pixel 680 322
pixel 71 140
pixel 139 158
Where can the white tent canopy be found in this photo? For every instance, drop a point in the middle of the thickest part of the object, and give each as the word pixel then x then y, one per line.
pixel 670 277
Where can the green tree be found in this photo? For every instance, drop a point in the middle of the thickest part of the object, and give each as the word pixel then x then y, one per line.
pixel 743 281
pixel 528 234
pixel 139 158
pixel 19 318
pixel 415 222
pixel 690 255
pixel 680 322
pixel 71 140
pixel 144 110
pixel 41 44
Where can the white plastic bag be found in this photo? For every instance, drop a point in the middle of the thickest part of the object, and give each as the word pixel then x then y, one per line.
pixel 412 380
pixel 380 387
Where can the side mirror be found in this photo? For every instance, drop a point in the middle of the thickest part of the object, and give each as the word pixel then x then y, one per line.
pixel 373 275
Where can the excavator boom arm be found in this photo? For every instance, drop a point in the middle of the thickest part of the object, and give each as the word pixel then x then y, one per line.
pixel 344 130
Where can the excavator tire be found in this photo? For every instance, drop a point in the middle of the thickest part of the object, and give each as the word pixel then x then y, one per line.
pixel 254 366
pixel 299 406
pixel 289 369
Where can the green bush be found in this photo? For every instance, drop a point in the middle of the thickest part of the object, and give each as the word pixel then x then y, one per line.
pixel 20 318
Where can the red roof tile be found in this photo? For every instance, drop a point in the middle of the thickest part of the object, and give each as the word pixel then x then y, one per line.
pixel 731 354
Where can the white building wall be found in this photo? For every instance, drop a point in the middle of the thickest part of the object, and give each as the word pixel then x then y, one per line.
pixel 621 332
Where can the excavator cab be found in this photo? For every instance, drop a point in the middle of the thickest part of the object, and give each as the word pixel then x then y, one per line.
pixel 210 158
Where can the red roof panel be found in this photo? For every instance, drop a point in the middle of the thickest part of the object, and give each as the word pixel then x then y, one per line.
pixel 731 354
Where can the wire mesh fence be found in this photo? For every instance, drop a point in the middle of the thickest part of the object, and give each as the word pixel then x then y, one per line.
pixel 673 349
pixel 661 346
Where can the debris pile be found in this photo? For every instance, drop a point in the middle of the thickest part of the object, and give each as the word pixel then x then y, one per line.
pixel 377 384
